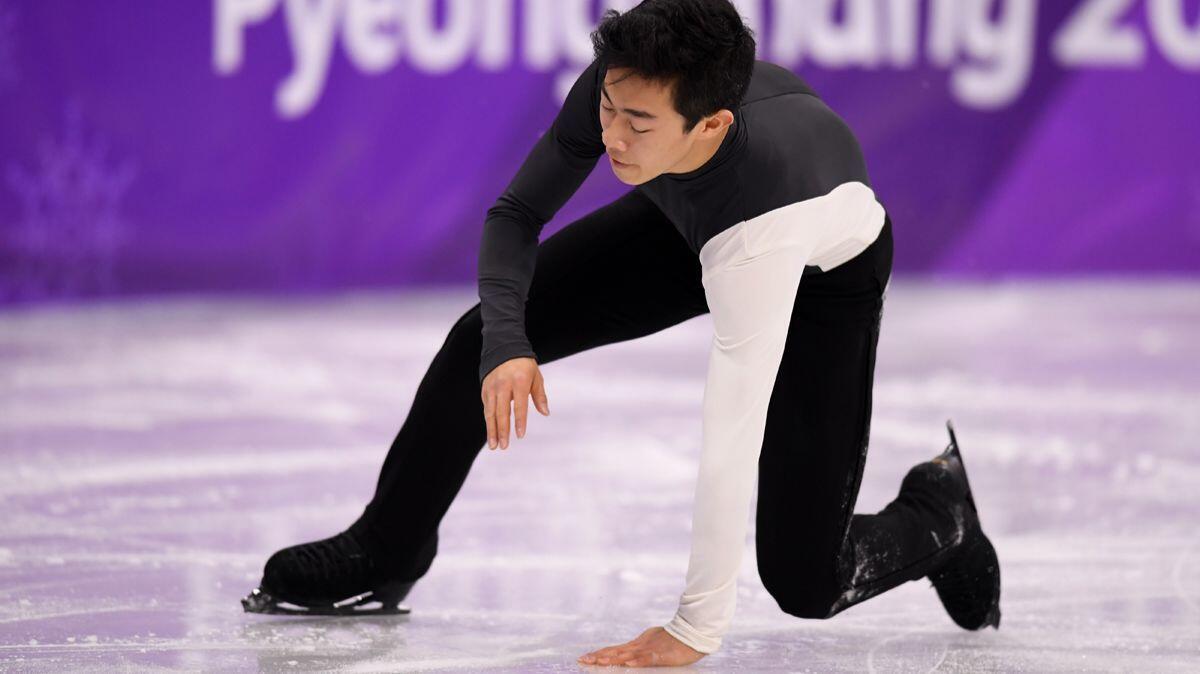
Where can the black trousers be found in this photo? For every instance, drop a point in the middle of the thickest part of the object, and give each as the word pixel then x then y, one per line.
pixel 623 272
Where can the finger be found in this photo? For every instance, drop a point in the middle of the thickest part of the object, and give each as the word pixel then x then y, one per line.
pixel 645 660
pixel 595 659
pixel 622 647
pixel 489 417
pixel 606 652
pixel 503 410
pixel 521 405
pixel 614 654
pixel 539 395
pixel 621 657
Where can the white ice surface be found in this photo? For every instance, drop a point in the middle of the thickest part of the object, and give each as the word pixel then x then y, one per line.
pixel 155 452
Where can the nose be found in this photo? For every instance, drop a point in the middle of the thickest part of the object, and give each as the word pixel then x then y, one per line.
pixel 612 143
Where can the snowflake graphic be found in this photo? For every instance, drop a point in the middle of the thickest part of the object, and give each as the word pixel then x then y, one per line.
pixel 8 37
pixel 67 241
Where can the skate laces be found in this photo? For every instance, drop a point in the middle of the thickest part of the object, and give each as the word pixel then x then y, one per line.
pixel 334 558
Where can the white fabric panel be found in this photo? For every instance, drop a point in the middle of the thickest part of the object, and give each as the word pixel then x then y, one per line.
pixel 751 272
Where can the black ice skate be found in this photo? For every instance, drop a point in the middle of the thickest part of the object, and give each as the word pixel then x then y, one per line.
pixel 334 576
pixel 968 583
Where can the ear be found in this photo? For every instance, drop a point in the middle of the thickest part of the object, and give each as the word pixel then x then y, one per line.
pixel 715 123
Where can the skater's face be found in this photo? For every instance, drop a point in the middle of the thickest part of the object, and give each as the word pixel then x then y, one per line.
pixel 644 135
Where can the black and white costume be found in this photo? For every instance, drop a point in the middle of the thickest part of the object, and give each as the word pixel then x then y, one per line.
pixel 786 195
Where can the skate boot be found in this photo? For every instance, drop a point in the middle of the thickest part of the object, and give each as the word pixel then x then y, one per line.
pixel 339 575
pixel 968 582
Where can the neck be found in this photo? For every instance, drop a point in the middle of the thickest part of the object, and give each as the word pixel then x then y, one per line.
pixel 701 152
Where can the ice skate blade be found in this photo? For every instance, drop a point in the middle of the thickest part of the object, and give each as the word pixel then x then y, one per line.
pixel 993 617
pixel 259 601
pixel 951 458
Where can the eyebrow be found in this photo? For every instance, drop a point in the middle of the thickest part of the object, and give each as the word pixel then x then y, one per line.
pixel 636 113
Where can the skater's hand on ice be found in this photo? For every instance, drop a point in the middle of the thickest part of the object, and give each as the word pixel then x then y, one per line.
pixel 653 648
pixel 513 381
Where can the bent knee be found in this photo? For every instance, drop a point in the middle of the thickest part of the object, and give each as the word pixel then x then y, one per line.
pixel 803 595
pixel 811 605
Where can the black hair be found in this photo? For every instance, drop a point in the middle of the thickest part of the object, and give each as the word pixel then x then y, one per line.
pixel 701 48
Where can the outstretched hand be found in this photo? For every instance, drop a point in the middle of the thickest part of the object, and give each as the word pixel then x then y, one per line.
pixel 510 385
pixel 653 648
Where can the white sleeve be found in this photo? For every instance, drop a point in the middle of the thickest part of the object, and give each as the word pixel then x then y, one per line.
pixel 751 273
pixel 751 302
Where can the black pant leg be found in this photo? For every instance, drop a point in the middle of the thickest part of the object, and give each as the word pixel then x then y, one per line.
pixel 618 273
pixel 815 556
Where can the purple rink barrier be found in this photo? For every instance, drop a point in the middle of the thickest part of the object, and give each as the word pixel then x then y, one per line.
pixel 310 145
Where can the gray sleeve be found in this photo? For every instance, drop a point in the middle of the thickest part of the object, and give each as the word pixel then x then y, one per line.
pixel 554 169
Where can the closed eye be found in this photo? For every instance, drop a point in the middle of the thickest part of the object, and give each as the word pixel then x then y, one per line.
pixel 631 126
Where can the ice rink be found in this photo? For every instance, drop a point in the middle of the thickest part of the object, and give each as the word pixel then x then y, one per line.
pixel 156 452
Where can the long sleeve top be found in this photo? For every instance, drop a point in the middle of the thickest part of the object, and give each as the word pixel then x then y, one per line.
pixel 786 193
